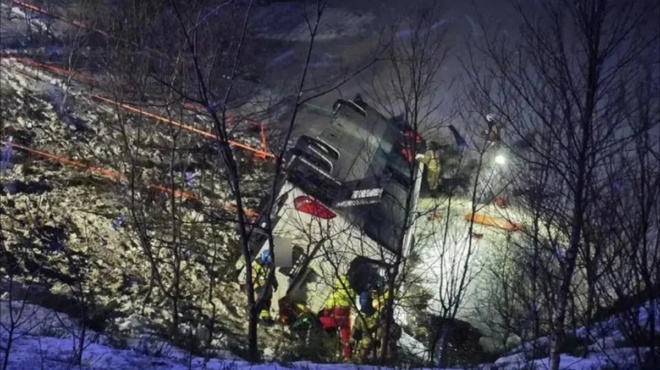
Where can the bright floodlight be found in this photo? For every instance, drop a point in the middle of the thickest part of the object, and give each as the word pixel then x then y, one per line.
pixel 500 159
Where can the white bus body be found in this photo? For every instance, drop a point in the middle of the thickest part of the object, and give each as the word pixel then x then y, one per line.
pixel 330 210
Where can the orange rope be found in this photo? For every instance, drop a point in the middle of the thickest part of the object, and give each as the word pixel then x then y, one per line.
pixel 56 69
pixel 261 153
pixel 104 172
pixel 179 124
pixel 190 106
pixel 107 173
pixel 230 122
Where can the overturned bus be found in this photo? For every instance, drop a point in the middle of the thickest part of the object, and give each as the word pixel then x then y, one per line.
pixel 346 194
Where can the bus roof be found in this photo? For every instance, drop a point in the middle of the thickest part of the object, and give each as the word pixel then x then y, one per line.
pixel 360 144
pixel 362 138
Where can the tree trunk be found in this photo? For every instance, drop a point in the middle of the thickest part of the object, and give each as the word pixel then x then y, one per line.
pixel 253 349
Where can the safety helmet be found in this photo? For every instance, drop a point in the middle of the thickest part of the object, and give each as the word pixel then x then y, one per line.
pixel 490 117
pixel 265 257
pixel 433 145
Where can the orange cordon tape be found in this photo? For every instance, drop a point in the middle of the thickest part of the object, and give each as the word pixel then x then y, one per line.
pixel 168 121
pixel 56 69
pixel 97 170
pixel 261 153
pixel 264 154
pixel 104 172
pixel 230 121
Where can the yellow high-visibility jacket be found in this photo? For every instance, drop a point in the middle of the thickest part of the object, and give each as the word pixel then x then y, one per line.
pixel 380 300
pixel 364 337
pixel 259 275
pixel 342 294
pixel 432 160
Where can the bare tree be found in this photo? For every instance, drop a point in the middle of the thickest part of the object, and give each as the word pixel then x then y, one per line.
pixel 410 87
pixel 406 88
pixel 629 228
pixel 200 69
pixel 555 86
pixel 18 287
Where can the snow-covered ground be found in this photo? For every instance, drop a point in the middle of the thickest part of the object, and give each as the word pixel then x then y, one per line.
pixel 607 344
pixel 35 111
pixel 42 338
pixel 51 209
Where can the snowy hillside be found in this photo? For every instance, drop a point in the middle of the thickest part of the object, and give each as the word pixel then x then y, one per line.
pixel 118 204
pixel 63 190
pixel 41 338
pixel 605 344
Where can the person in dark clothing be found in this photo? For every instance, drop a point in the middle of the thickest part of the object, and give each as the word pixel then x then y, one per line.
pixel 494 129
pixel 359 101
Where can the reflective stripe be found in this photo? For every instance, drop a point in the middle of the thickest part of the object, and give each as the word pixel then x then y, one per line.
pixel 259 275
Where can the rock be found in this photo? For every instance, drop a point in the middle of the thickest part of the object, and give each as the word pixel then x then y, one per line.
pixel 463 341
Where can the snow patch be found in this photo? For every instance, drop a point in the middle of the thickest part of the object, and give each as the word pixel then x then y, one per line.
pixel 38 24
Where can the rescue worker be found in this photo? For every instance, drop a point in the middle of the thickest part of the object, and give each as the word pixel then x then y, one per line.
pixel 395 330
pixel 260 269
pixel 289 310
pixel 359 101
pixel 364 339
pixel 431 158
pixel 368 333
pixel 494 129
pixel 337 313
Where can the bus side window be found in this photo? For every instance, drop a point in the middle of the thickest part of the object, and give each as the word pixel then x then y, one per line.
pixel 280 203
pixel 299 258
pixel 257 239
pixel 274 215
